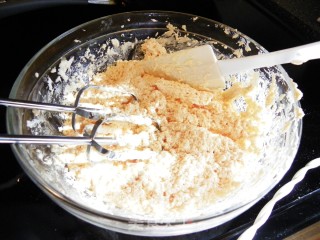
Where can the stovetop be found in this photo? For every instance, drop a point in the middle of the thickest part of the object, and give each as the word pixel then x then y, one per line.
pixel 26 213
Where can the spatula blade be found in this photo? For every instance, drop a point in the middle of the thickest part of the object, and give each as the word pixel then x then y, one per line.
pixel 195 66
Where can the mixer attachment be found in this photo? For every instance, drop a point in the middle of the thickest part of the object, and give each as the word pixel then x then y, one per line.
pixel 93 113
pixel 98 115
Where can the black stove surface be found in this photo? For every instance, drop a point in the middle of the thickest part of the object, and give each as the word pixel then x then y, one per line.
pixel 27 213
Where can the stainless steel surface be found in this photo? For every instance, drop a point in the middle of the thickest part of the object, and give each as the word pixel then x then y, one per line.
pixel 36 105
pixel 107 2
pixel 31 139
pixel 90 113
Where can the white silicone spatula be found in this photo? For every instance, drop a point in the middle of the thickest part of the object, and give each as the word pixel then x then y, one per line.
pixel 199 66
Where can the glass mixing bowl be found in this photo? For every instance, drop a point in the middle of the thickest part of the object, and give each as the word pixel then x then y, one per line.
pixel 87 46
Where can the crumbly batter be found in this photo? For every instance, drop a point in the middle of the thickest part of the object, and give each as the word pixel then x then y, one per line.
pixel 180 148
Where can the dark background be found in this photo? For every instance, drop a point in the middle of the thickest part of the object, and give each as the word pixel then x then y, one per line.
pixel 26 213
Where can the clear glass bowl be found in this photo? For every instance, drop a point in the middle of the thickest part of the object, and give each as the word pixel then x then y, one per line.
pixel 33 84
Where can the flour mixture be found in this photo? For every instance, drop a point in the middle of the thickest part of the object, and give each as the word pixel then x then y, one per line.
pixel 181 148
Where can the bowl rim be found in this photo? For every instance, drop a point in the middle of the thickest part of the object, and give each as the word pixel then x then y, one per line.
pixel 41 183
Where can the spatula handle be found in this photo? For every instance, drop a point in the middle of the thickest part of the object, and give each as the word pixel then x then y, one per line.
pixel 295 55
